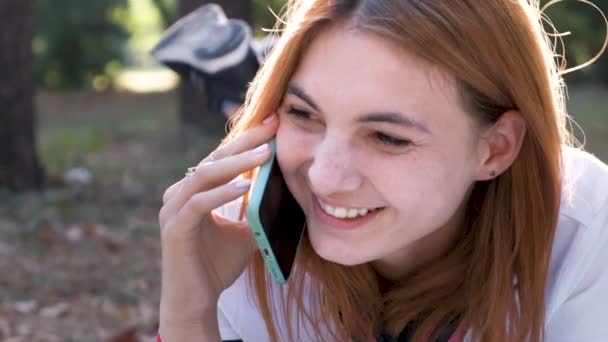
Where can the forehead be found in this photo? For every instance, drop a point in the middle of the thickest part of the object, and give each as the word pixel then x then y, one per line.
pixel 345 66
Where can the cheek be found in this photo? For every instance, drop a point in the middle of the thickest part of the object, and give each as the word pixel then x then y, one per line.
pixel 294 147
pixel 426 191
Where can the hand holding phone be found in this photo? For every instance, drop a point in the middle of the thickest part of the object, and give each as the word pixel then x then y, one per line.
pixel 204 253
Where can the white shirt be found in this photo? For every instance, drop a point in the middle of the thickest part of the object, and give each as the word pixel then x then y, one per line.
pixel 576 297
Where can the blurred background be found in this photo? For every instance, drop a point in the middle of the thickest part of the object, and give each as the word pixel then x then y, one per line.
pixel 92 131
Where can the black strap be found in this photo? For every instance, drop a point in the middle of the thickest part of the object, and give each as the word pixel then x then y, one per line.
pixel 443 335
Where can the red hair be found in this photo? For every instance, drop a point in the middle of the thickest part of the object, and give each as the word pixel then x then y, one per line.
pixel 493 280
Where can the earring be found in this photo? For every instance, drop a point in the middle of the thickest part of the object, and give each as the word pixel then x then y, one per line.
pixel 492 173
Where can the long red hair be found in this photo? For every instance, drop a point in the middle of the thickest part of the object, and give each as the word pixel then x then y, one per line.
pixel 493 280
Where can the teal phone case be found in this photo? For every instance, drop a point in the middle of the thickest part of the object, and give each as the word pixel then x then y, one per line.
pixel 253 218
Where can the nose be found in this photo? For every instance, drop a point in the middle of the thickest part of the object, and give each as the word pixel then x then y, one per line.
pixel 334 169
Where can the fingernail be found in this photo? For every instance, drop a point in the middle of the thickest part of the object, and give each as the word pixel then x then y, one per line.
pixel 269 119
pixel 261 149
pixel 242 184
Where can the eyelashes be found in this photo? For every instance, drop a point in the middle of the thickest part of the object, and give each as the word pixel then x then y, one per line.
pixel 298 113
pixel 391 140
pixel 380 137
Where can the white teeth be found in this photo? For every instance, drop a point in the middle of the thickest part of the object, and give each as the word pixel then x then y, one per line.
pixel 344 212
pixel 340 212
pixel 352 213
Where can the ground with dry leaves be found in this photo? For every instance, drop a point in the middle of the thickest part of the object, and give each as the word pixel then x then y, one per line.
pixel 80 262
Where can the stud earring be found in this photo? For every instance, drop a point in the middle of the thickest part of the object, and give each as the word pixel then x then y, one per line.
pixel 492 173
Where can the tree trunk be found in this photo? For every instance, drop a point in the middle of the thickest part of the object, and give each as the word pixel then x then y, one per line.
pixel 20 168
pixel 193 103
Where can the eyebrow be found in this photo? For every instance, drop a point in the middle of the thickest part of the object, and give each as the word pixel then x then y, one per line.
pixel 381 117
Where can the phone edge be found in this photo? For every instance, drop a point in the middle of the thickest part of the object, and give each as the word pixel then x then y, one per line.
pixel 253 218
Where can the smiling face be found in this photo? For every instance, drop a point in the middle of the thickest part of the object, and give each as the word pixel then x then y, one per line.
pixel 376 148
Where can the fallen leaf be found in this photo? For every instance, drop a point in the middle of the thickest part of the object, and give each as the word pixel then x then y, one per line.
pixel 46 235
pixel 25 307
pixel 127 335
pixel 74 234
pixel 115 241
pixel 127 312
pixel 95 229
pixel 5 329
pixel 147 314
pixel 139 285
pixel 55 182
pixel 24 329
pixel 147 338
pixel 78 176
pixel 109 308
pixel 14 339
pixel 54 311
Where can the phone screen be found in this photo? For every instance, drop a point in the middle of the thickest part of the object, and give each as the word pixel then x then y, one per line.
pixel 282 218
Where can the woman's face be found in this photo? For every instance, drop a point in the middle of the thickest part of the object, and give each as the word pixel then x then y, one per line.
pixel 371 132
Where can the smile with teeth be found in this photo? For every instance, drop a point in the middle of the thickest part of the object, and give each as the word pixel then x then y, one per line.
pixel 342 213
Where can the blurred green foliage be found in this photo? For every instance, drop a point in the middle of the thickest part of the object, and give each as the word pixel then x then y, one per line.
pixel 61 149
pixel 144 26
pixel 78 43
pixel 587 35
pixel 85 44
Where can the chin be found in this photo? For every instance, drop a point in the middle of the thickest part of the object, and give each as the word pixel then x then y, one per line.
pixel 342 255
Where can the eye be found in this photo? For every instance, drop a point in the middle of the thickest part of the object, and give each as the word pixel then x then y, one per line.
pixel 390 140
pixel 298 113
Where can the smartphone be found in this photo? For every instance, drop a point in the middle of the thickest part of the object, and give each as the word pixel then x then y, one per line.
pixel 276 219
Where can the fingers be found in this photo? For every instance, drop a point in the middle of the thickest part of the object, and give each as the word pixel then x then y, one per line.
pixel 171 191
pixel 211 175
pixel 248 140
pixel 188 218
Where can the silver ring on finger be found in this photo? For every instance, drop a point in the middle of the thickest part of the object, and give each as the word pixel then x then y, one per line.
pixel 191 171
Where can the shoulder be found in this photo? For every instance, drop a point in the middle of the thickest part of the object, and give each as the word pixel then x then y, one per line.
pixel 578 279
pixel 584 185
pixel 238 314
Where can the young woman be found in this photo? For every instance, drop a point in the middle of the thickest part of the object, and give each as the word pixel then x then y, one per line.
pixel 426 143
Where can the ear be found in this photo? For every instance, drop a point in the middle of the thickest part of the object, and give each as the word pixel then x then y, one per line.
pixel 499 144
